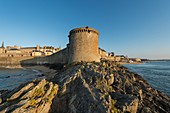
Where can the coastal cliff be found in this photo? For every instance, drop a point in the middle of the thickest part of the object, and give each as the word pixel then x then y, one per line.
pixel 104 87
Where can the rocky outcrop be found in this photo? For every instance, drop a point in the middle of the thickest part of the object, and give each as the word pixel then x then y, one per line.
pixel 104 87
pixel 33 97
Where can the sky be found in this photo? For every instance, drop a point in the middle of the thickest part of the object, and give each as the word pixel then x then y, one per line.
pixel 135 28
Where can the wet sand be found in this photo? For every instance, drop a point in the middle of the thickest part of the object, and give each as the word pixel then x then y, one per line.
pixel 46 71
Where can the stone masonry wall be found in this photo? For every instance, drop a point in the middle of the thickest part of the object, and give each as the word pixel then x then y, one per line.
pixel 83 45
pixel 59 57
pixel 13 61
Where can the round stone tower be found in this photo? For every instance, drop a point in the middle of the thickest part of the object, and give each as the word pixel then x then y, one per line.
pixel 83 45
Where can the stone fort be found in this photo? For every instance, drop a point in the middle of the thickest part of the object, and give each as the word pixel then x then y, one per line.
pixel 82 46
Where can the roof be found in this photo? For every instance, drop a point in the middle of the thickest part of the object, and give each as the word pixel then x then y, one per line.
pixel 37 51
pixel 102 49
pixel 48 51
pixel 13 49
pixel 28 47
pixel 48 47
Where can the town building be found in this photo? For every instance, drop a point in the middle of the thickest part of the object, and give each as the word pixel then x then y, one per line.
pixel 13 51
pixel 2 48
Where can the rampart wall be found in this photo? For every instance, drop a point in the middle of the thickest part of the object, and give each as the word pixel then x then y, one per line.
pixel 13 61
pixel 59 57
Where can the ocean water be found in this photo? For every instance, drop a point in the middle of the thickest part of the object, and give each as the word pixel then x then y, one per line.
pixel 12 78
pixel 156 73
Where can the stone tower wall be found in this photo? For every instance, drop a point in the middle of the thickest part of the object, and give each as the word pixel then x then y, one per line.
pixel 83 45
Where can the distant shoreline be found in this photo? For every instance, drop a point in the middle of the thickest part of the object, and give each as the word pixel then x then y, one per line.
pixel 130 63
pixel 159 60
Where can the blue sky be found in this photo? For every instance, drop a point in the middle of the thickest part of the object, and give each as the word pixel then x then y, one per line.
pixel 136 28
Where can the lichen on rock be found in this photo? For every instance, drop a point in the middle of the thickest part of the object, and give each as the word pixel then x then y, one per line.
pixel 34 97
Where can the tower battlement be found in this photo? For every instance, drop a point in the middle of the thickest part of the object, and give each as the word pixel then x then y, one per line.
pixel 83 29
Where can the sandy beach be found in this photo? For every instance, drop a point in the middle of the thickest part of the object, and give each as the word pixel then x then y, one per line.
pixel 46 71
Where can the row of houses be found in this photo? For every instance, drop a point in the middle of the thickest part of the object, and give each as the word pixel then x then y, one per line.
pixel 118 58
pixel 27 51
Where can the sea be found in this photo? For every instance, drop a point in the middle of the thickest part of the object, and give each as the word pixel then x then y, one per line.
pixel 156 73
pixel 12 78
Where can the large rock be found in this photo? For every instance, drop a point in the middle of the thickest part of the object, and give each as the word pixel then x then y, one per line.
pixel 34 97
pixel 84 89
pixel 126 102
pixel 105 88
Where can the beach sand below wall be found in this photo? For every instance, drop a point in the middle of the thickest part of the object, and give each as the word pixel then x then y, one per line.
pixel 46 71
